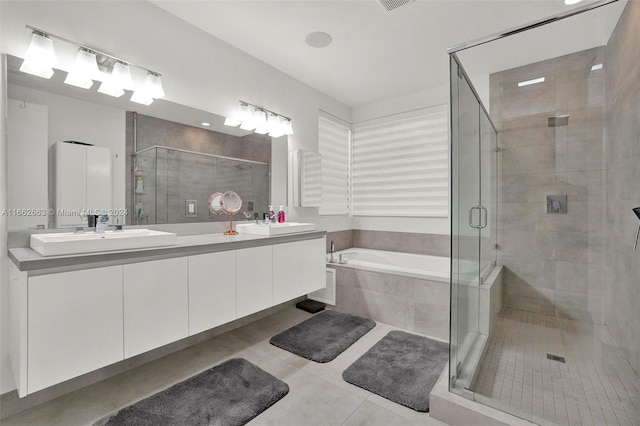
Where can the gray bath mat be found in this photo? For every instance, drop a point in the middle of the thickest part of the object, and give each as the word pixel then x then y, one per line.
pixel 231 393
pixel 401 367
pixel 323 337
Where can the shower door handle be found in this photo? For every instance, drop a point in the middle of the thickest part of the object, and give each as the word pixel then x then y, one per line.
pixel 483 221
pixel 483 224
pixel 471 217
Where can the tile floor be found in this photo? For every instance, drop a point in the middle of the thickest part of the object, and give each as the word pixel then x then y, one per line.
pixel 317 393
pixel 596 386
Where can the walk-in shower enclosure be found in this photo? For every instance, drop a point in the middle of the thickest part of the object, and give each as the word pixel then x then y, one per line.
pixel 545 141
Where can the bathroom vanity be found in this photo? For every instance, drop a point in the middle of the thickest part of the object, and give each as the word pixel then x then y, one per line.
pixel 70 315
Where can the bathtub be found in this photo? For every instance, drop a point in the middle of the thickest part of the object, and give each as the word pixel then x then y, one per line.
pixel 406 290
pixel 432 268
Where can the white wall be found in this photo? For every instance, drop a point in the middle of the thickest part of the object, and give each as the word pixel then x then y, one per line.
pixel 436 96
pixel 198 70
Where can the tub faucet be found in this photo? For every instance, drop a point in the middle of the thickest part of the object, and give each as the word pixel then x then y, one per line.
pixel 331 258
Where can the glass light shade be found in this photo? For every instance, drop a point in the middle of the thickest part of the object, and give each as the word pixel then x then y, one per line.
pixel 40 58
pixel 109 88
pixel 276 133
pixel 259 118
pixel 245 113
pixel 273 123
pixel 153 86
pixel 287 126
pixel 246 125
pixel 141 97
pixel 262 130
pixel 84 71
pixel 231 121
pixel 121 75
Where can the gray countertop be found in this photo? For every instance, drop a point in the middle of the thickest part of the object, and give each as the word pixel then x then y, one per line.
pixel 27 259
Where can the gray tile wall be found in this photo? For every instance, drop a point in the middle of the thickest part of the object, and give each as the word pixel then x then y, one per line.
pixel 409 303
pixel 622 153
pixel 406 242
pixel 554 262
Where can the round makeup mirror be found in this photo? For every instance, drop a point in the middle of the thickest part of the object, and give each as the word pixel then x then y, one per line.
pixel 214 205
pixel 231 203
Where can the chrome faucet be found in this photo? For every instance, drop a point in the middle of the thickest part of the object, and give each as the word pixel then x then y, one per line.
pixel 331 258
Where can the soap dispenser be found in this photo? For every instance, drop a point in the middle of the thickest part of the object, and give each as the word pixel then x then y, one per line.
pixel 272 215
pixel 101 223
pixel 281 215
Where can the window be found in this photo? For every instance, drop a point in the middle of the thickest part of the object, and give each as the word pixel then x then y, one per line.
pixel 334 149
pixel 400 165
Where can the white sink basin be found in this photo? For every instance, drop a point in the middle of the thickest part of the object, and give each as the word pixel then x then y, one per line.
pixel 88 242
pixel 274 228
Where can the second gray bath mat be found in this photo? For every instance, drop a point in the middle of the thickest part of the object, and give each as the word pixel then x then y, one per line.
pixel 231 393
pixel 324 336
pixel 401 367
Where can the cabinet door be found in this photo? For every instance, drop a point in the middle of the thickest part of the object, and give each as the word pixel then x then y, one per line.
pixel 212 290
pixel 74 324
pixel 254 268
pixel 71 181
pixel 156 305
pixel 287 272
pixel 313 265
pixel 98 178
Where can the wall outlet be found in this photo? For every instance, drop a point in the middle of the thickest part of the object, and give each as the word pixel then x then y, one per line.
pixel 557 204
pixel 191 208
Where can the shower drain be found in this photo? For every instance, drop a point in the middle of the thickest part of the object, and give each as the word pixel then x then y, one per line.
pixel 558 358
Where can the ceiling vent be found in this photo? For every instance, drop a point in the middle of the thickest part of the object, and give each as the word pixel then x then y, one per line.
pixel 390 5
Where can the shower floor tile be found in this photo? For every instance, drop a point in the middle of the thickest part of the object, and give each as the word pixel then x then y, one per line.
pixel 595 385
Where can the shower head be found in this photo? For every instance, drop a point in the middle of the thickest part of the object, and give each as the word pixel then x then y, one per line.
pixel 636 210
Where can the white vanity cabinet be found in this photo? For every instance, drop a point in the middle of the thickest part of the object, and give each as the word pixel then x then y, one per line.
pixel 212 290
pixel 156 304
pixel 314 259
pixel 74 324
pixel 65 322
pixel 298 269
pixel 254 285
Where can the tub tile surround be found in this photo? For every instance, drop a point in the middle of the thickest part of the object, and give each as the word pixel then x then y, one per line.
pixel 406 242
pixel 553 262
pixel 622 157
pixel 410 303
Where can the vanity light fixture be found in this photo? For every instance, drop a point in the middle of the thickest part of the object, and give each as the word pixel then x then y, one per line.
pixel 260 120
pixel 90 65
pixel 40 58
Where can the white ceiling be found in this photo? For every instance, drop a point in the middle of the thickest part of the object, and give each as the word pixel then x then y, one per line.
pixel 375 55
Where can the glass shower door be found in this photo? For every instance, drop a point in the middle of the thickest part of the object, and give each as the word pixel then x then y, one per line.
pixel 465 222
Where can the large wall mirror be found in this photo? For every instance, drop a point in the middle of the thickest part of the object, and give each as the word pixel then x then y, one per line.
pixel 73 151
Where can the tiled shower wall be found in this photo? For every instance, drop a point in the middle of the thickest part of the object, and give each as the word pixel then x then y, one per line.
pixel 152 131
pixel 554 262
pixel 622 153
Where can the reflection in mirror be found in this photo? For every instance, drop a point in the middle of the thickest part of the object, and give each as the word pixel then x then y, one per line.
pixel 183 161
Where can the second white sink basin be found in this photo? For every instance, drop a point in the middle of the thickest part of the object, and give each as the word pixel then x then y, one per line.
pixel 275 228
pixel 63 243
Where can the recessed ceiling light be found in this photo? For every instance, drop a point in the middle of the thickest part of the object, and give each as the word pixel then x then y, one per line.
pixel 205 124
pixel 318 39
pixel 596 67
pixel 528 82
pixel 570 2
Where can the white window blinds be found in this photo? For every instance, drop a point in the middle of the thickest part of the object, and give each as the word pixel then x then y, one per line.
pixel 334 149
pixel 400 165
